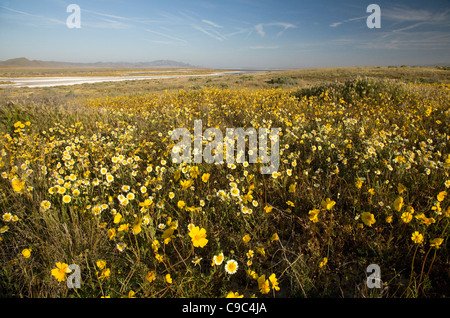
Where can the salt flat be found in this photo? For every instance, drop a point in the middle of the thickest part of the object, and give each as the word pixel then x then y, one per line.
pixel 63 80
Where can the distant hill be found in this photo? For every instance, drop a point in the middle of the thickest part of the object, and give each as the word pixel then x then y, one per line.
pixel 24 62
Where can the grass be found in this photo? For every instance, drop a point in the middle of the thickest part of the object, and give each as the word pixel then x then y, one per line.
pixel 353 142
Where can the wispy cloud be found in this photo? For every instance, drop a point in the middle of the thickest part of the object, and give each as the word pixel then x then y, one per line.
pixel 336 24
pixel 167 36
pixel 414 29
pixel 40 17
pixel 212 23
pixel 106 15
pixel 105 23
pixel 259 28
pixel 210 33
pixel 404 14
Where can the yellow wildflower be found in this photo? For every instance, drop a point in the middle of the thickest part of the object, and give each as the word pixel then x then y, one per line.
pixel 368 218
pixel 60 271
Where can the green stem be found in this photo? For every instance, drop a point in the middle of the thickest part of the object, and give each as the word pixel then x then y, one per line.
pixel 412 269
pixel 423 265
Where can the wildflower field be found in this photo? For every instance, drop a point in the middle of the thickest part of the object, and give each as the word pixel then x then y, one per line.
pixel 363 179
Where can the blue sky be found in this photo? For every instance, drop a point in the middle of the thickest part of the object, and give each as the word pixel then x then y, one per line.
pixel 229 33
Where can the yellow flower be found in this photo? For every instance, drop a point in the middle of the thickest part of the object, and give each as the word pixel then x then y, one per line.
pixel 234 295
pixel 168 279
pixel 263 284
pixel 46 205
pixel 437 208
pixel 159 257
pixel 60 271
pixel 111 233
pixel 398 203
pixel 234 192
pixel 406 217
pixel 268 209
pixel 168 235
pixel 217 259
pixel 328 204
pixel 155 246
pixel 186 184
pixel 389 219
pixel 314 215
pixel 150 276
pixel 121 246
pixel 117 218
pixel 181 204
pixel 205 177
pixel 323 262
pixel 417 237
pixel 410 209
pixel 61 190
pixel 358 183
pixel 67 198
pixel 401 188
pixel 274 237
pixel 194 172
pixel 131 294
pixel 198 237
pixel 7 217
pixel 17 185
pixel 274 282
pixel 252 274
pixel 441 196
pixel 101 264
pixel 292 187
pixel 136 229
pixel 261 250
pixel 447 212
pixel 436 242
pixel 26 253
pixel 371 191
pixel 290 203
pixel 146 203
pixel 368 218
pixel 191 226
pixel 246 238
pixel 231 267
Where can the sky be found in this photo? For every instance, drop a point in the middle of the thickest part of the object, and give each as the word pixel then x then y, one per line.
pixel 229 33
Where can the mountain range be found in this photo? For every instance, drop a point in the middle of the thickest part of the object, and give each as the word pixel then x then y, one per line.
pixel 24 62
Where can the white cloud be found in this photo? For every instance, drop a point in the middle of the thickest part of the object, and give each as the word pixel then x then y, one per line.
pixel 336 24
pixel 211 34
pixel 212 23
pixel 259 28
pixel 40 17
pixel 168 36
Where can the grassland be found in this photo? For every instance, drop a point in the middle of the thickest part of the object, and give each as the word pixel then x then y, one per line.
pixel 87 179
